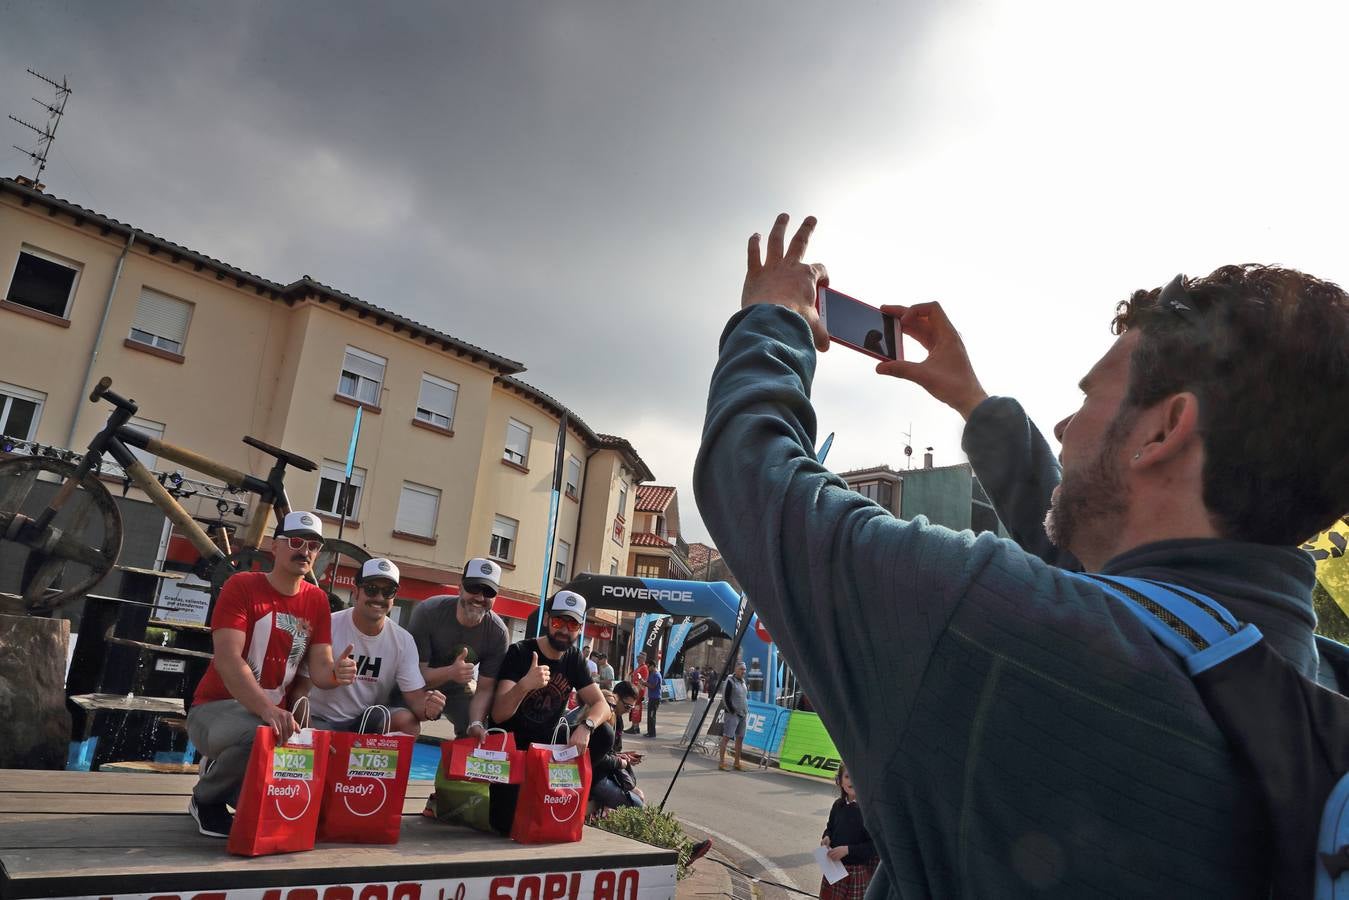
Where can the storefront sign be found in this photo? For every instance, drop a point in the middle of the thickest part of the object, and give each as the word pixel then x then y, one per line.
pixel 807 747
pixel 645 883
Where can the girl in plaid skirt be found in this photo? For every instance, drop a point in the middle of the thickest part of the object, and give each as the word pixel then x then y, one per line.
pixel 848 843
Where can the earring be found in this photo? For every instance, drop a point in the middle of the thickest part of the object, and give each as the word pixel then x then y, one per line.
pixel 1138 455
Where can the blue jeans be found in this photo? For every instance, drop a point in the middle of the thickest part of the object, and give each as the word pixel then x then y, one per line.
pixel 607 793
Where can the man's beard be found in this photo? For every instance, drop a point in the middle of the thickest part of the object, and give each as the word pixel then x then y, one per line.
pixel 472 613
pixel 559 643
pixel 1090 502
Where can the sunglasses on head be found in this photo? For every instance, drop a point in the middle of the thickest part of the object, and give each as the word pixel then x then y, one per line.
pixel 307 544
pixel 375 590
pixel 562 623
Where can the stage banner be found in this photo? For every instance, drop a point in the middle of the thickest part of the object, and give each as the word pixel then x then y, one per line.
pixel 807 747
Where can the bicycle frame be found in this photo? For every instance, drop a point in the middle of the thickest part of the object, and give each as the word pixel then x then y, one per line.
pixel 113 440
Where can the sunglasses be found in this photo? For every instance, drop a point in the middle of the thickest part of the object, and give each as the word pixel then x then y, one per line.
pixel 481 590
pixel 562 623
pixel 374 590
pixel 306 544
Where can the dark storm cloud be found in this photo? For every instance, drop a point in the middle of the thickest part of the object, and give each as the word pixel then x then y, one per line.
pixel 567 184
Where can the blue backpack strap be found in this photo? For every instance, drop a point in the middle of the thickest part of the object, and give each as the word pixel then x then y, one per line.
pixel 1198 629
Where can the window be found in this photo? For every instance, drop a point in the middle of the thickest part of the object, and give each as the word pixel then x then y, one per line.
pixel 517 443
pixel 418 507
pixel 648 567
pixel 20 410
pixel 362 376
pixel 561 561
pixel 332 476
pixel 504 531
pixel 573 477
pixel 435 403
pixel 43 282
pixel 613 567
pixel 622 500
pixel 161 321
pixel 880 491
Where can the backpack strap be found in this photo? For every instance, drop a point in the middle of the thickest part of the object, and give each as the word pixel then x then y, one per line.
pixel 1194 627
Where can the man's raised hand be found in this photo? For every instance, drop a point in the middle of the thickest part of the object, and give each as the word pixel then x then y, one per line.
pixel 344 670
pixel 946 373
pixel 461 670
pixel 538 675
pixel 782 277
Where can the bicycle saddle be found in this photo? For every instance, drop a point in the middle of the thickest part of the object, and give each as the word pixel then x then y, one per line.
pixel 293 459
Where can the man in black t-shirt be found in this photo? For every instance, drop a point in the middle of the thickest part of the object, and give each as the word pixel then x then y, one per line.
pixel 533 684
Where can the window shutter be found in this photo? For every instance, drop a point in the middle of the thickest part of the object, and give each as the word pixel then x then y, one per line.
pixel 417 509
pixel 162 316
pixel 366 368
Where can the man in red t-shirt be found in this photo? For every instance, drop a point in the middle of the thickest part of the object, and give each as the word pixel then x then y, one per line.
pixel 263 627
pixel 639 682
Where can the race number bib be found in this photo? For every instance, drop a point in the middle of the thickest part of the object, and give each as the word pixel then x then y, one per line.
pixel 368 762
pixel 564 775
pixel 293 762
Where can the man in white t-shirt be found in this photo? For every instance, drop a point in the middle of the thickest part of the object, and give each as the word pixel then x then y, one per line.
pixel 591 665
pixel 386 656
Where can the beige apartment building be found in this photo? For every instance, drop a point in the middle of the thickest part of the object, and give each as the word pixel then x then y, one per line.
pixel 456 454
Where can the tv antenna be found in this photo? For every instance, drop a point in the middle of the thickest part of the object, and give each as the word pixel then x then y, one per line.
pixel 908 447
pixel 47 134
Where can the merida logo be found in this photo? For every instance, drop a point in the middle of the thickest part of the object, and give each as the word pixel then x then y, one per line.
pixel 290 790
pixel 823 763
pixel 624 592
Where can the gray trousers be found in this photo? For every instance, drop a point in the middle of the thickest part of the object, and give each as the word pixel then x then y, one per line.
pixel 222 730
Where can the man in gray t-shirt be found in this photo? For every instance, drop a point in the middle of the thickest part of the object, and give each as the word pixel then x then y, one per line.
pixel 454 636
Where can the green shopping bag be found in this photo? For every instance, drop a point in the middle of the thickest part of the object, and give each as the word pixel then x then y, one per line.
pixel 458 802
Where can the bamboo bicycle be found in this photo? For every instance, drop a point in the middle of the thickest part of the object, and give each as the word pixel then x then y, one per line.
pixel 73 542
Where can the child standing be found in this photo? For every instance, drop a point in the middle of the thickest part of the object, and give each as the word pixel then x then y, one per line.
pixel 848 843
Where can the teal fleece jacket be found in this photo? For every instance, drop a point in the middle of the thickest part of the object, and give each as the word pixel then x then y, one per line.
pixel 1012 731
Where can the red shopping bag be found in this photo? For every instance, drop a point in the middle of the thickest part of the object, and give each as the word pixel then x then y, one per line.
pixel 552 804
pixel 363 792
pixel 278 809
pixel 467 760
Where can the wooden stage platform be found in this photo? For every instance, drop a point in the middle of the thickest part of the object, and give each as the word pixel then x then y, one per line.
pixel 121 835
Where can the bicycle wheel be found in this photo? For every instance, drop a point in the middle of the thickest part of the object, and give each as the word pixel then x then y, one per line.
pixel 68 558
pixel 333 554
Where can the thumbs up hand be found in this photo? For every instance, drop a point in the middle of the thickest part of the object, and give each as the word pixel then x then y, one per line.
pixel 344 670
pixel 538 675
pixel 461 670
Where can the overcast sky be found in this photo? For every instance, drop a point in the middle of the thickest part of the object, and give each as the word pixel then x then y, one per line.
pixel 571 184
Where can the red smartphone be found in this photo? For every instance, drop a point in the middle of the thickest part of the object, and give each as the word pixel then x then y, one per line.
pixel 854 324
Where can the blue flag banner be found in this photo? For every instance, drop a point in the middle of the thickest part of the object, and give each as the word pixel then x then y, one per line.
pixel 678 632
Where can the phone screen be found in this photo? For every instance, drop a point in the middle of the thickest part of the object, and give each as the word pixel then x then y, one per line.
pixel 858 325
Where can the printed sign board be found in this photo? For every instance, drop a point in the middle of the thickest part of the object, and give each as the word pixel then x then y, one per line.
pixel 807 747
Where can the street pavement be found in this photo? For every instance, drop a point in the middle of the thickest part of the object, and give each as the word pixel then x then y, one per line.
pixel 765 822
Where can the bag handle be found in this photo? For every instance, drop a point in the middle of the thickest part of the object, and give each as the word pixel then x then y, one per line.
pixel 295 709
pixel 365 718
pixel 562 724
pixel 501 731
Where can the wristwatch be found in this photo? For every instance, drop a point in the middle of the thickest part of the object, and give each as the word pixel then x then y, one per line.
pixel 589 723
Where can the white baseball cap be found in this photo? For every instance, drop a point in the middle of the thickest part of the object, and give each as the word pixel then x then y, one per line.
pixel 479 572
pixel 298 523
pixel 570 604
pixel 379 567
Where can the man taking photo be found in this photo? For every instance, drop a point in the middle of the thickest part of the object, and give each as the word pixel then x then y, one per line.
pixel 1035 737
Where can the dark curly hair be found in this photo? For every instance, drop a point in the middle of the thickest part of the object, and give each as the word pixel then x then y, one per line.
pixel 1266 352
